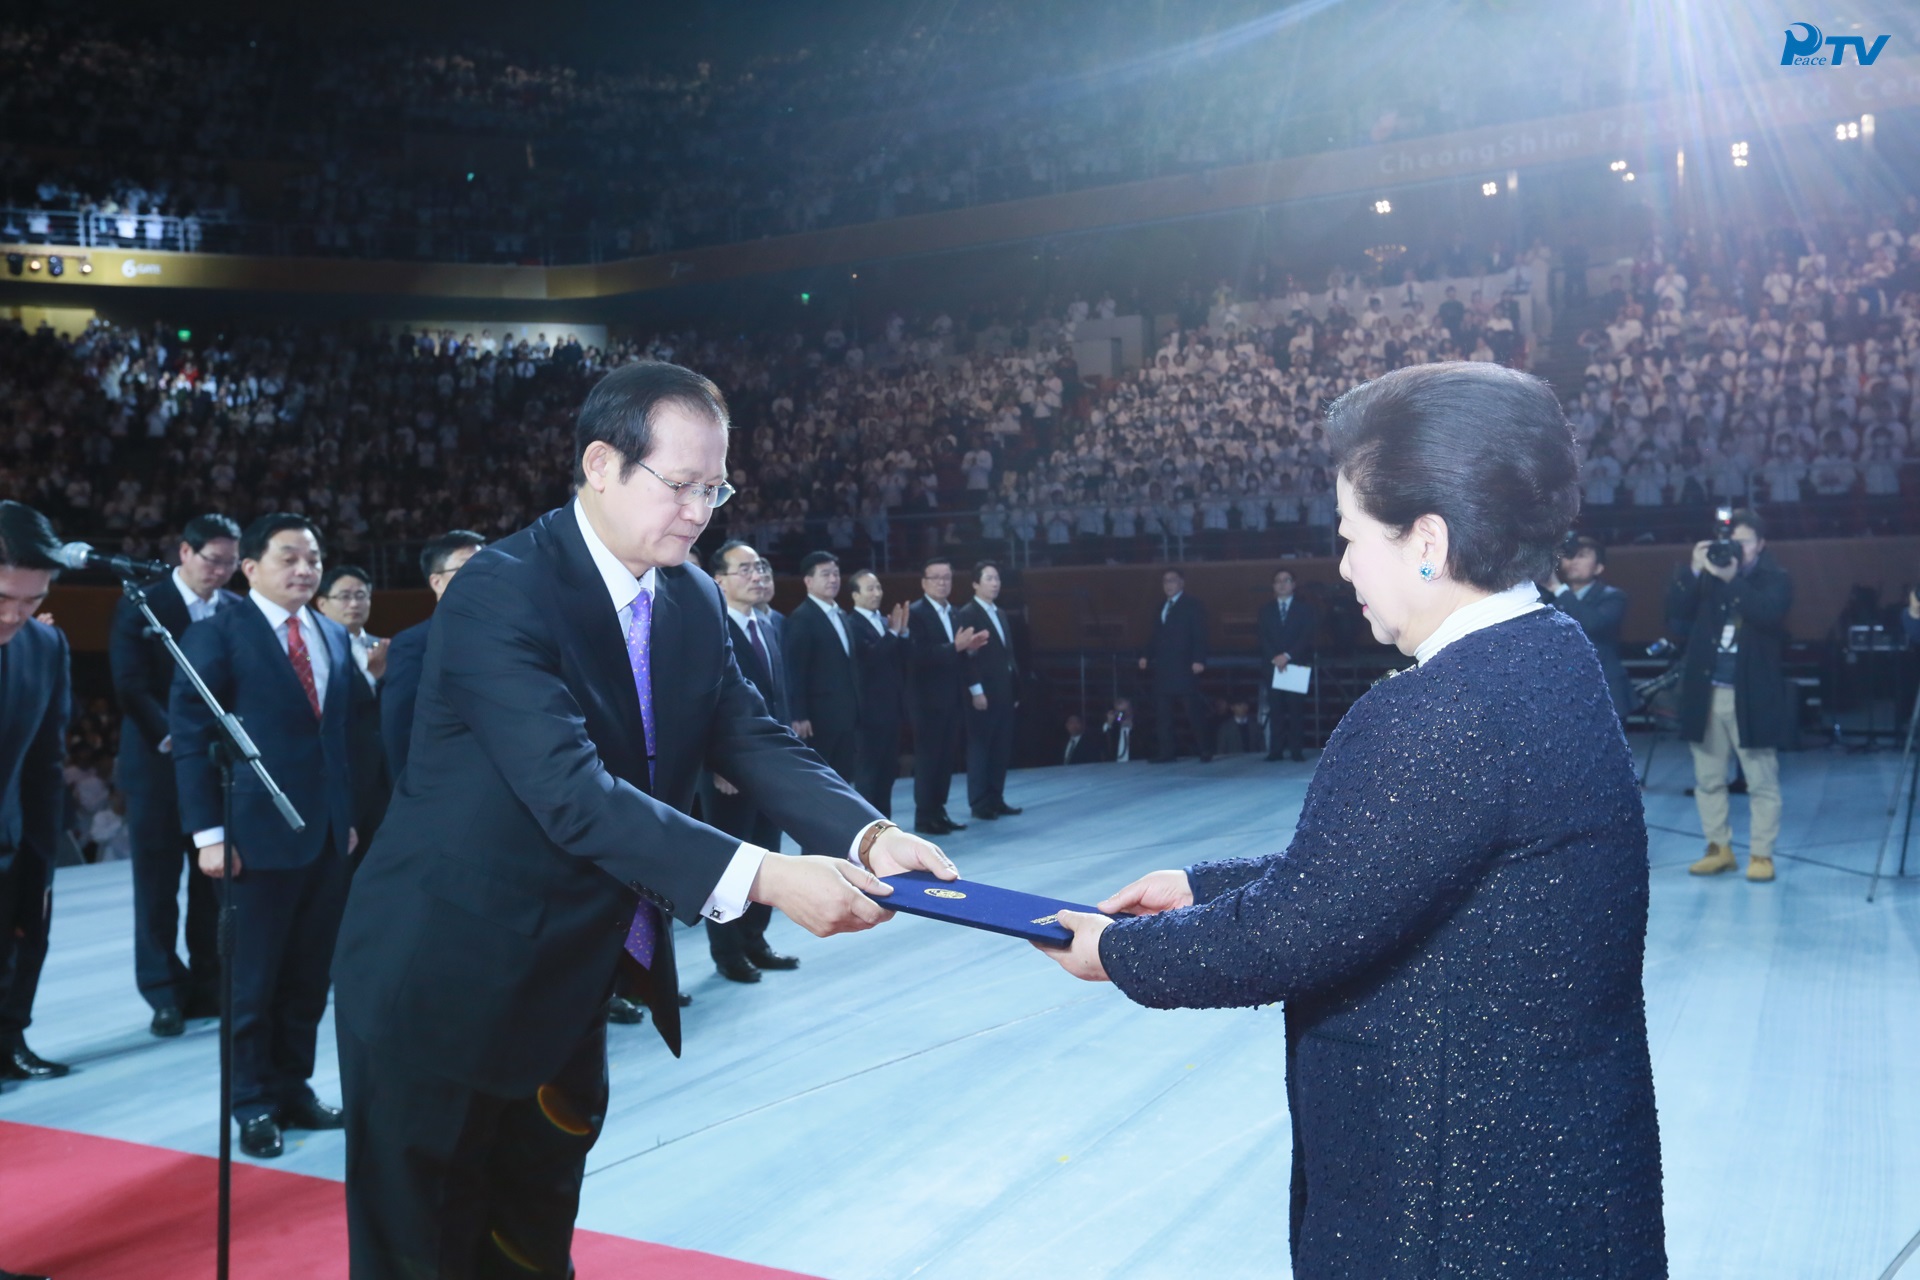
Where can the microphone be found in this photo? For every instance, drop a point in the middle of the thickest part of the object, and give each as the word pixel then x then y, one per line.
pixel 81 555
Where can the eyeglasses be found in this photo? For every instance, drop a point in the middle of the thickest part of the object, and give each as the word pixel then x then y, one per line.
pixel 758 569
pixel 687 492
pixel 229 563
pixel 351 597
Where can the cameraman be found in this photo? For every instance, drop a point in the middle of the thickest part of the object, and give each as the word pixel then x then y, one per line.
pixel 1729 607
pixel 1576 590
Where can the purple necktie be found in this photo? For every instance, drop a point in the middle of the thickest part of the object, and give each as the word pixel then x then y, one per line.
pixel 640 937
pixel 753 634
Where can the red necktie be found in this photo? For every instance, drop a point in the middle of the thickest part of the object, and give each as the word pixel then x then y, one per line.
pixel 302 666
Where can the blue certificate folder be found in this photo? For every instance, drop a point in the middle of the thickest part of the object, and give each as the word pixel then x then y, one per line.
pixel 981 906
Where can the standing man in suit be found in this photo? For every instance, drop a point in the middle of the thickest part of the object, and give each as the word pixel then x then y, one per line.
pixel 823 695
pixel 1082 747
pixel 739 947
pixel 993 680
pixel 287 672
pixel 346 596
pixel 1287 627
pixel 1599 607
pixel 34 683
pixel 578 678
pixel 1175 657
pixel 881 654
pixel 440 559
pixel 939 695
pixel 209 552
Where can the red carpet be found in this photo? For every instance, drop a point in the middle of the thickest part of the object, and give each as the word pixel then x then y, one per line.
pixel 85 1208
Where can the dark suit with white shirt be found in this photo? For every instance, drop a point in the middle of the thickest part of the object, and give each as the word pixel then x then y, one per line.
pixel 1088 748
pixel 881 661
pixel 991 669
pixel 292 885
pixel 142 685
pixel 34 684
pixel 1179 641
pixel 937 700
pixel 735 814
pixel 406 653
pixel 817 648
pixel 1600 611
pixel 1286 626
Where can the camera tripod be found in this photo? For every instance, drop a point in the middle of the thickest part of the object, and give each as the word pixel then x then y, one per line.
pixel 1904 787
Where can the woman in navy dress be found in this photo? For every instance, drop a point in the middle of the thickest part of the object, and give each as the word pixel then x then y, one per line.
pixel 1458 926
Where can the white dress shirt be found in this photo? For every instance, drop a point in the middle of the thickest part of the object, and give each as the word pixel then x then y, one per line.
pixel 197 609
pixel 1502 606
pixel 316 658
pixel 832 611
pixel 944 612
pixel 361 647
pixel 729 898
pixel 993 620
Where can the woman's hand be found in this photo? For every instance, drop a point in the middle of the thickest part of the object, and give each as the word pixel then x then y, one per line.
pixel 1151 894
pixel 1082 958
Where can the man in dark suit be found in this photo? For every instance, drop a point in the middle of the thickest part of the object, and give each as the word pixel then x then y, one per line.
pixel 1117 731
pixel 823 695
pixel 993 680
pixel 1175 657
pixel 881 654
pixel 1287 627
pixel 346 596
pixel 1599 607
pixel 209 552
pixel 939 693
pixel 1082 747
pixel 739 947
pixel 440 559
pixel 287 673
pixel 578 677
pixel 34 683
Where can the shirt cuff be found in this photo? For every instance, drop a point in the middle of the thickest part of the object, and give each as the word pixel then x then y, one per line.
pixel 728 901
pixel 853 850
pixel 212 835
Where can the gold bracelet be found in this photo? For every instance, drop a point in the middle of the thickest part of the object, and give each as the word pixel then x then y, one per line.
pixel 873 834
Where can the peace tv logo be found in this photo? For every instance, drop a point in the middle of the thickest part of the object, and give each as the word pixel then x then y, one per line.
pixel 1805 50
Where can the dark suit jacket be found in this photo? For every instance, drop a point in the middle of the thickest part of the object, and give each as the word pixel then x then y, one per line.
pixel 406 654
pixel 1110 740
pixel 1091 749
pixel 1600 614
pixel 881 662
pixel 735 814
pixel 142 667
pixel 1178 643
pixel 1294 637
pixel 240 658
pixel 821 686
pixel 372 782
pixel 939 673
pixel 33 742
pixel 772 683
pixel 992 667
pixel 484 931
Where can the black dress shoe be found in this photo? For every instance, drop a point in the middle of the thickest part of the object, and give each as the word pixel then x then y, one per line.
pixel 311 1113
pixel 935 827
pixel 1008 811
pixel 985 815
pixel 685 999
pixel 737 969
pixel 1273 759
pixel 22 1063
pixel 624 1012
pixel 18 1275
pixel 260 1138
pixel 167 1022
pixel 766 958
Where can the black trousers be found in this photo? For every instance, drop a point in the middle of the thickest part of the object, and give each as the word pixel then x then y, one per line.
pixel 1286 712
pixel 935 735
pixel 160 853
pixel 839 748
pixel 26 916
pixel 447 1183
pixel 284 926
pixel 989 752
pixel 1195 707
pixel 876 763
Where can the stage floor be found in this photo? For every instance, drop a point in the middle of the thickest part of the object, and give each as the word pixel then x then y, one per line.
pixel 928 1101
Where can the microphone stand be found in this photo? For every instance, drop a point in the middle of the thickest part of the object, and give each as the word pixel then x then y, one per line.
pixel 231 747
pixel 1903 792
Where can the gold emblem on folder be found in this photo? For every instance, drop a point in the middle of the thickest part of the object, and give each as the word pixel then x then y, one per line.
pixel 945 893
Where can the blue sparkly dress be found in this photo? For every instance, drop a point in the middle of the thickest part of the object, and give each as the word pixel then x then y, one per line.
pixel 1457 931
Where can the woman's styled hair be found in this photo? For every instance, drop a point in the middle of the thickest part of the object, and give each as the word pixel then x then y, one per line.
pixel 1486 448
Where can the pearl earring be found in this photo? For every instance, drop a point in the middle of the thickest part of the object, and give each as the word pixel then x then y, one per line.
pixel 1427 570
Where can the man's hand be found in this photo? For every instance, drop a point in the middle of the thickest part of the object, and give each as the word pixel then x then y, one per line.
pixel 1143 664
pixel 1724 572
pixel 896 851
pixel 1199 667
pixel 967 640
pixel 803 729
pixel 822 895
pixel 213 861
pixel 1280 661
pixel 1082 959
pixel 45 619
pixel 1151 894
pixel 377 658
pixel 897 619
pixel 1700 564
pixel 166 743
pixel 724 787
pixel 979 702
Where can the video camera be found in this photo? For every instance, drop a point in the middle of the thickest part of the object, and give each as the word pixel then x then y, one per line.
pixel 1723 550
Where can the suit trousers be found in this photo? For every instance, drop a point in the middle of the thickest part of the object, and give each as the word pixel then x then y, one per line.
pixel 838 748
pixel 160 853
pixel 1195 707
pixel 989 752
pixel 876 763
pixel 26 915
pixel 447 1183
pixel 934 739
pixel 284 926
pixel 1285 714
pixel 1762 766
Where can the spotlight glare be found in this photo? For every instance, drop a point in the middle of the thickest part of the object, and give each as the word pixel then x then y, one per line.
pixel 1513 179
pixel 1739 151
pixel 1618 166
pixel 1383 206
pixel 33 264
pixel 1489 188
pixel 1627 176
pixel 1866 125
